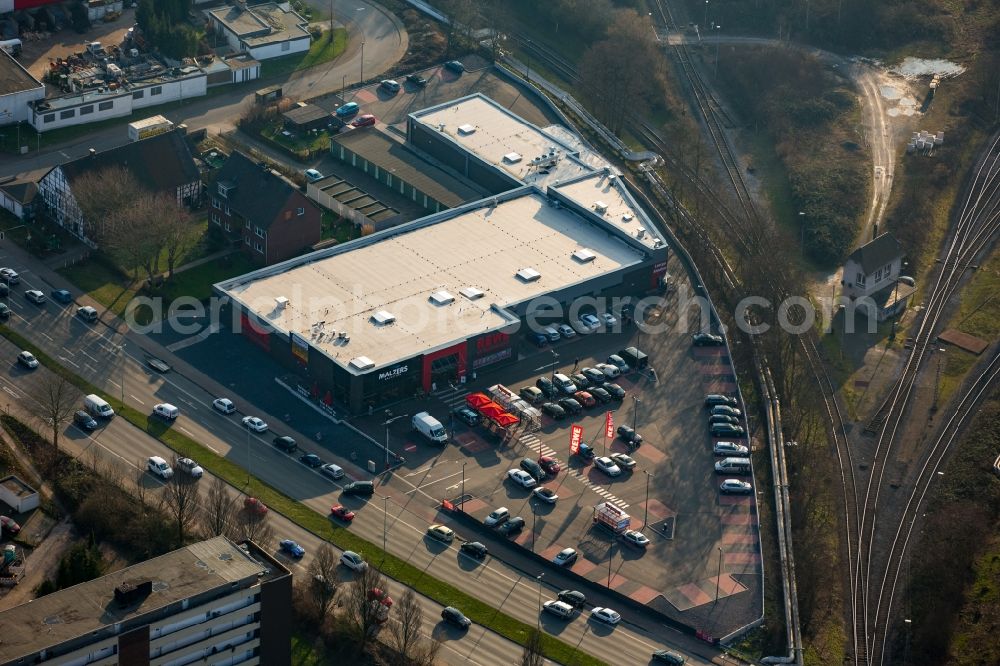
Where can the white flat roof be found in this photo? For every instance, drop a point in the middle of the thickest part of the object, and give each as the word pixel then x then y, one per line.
pixel 496 136
pixel 397 271
pixel 603 190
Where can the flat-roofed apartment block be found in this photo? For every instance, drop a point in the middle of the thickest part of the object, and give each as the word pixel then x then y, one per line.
pixel 213 602
pixel 444 297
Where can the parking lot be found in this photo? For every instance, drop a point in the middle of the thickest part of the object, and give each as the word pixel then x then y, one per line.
pixel 703 544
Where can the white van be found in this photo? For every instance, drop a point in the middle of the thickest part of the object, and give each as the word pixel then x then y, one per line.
pixel 733 466
pixel 564 383
pixel 429 427
pixel 166 410
pixel 98 406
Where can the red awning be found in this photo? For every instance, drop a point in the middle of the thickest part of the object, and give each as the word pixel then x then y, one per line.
pixel 504 420
pixel 490 410
pixel 477 400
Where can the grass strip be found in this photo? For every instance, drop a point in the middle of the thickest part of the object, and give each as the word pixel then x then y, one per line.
pixel 392 566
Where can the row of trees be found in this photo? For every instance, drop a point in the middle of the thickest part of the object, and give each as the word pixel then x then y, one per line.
pixel 164 24
pixel 132 224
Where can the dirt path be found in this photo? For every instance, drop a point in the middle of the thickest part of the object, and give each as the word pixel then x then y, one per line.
pixel 41 564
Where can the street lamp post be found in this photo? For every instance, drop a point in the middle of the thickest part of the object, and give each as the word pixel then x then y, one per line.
pixel 719 576
pixel 533 516
pixel 718 39
pixel 249 462
pixel 706 14
pixel 539 620
pixel 462 503
pixel 388 421
pixel 802 233
pixel 363 62
pixel 385 521
pixel 555 360
pixel 645 515
pixel 611 557
pixel 121 352
pixel 635 410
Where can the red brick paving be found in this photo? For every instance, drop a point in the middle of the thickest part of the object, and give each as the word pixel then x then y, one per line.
pixel 715 369
pixel 741 558
pixel 659 510
pixel 583 567
pixel 727 585
pixel 644 594
pixel 720 387
pixel 709 351
pixel 738 519
pixel 730 538
pixel 735 500
pixel 616 580
pixel 650 453
pixel 474 505
pixel 694 595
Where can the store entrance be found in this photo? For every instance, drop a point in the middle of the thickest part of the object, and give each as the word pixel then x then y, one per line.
pixel 445 369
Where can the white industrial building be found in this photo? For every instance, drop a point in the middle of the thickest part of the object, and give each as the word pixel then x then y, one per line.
pixel 18 88
pixel 94 105
pixel 264 31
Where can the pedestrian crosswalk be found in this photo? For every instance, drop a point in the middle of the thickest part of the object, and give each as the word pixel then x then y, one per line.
pixel 454 396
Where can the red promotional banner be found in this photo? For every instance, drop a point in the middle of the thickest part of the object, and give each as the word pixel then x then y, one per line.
pixel 609 426
pixel 575 437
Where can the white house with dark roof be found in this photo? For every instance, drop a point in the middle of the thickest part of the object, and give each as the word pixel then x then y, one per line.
pixel 871 277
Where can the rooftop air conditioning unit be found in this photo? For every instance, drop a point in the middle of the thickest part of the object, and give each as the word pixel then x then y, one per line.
pixel 600 207
pixel 528 275
pixel 471 293
pixel 362 363
pixel 640 234
pixel 442 297
pixel 583 255
pixel 281 302
pixel 466 129
pixel 627 217
pixel 512 158
pixel 383 317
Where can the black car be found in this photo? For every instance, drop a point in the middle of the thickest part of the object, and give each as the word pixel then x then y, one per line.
pixel 452 615
pixel 310 460
pixel 573 598
pixel 512 526
pixel 416 80
pixel 546 386
pixel 4 311
pixel 532 468
pixel 553 410
pixel 722 418
pixel 715 399
pixel 363 488
pixel 475 549
pixel 286 444
pixel 707 340
pixel 467 416
pixel 581 380
pixel 84 420
pixel 4 290
pixel 629 436
pixel 571 405
pixel 600 395
pixel 586 452
pixel 595 376
pixel 668 657
pixel 616 392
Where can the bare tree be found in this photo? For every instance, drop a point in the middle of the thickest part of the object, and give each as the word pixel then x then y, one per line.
pixel 362 613
pixel 324 584
pixel 178 232
pixel 54 400
pixel 220 508
pixel 182 496
pixel 532 655
pixel 251 526
pixel 406 628
pixel 102 196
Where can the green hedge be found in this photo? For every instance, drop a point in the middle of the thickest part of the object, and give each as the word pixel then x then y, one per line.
pixel 394 567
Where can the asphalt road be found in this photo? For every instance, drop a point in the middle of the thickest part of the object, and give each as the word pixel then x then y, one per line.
pixel 385 42
pixel 509 585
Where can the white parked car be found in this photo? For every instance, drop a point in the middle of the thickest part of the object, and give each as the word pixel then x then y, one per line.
pixel 618 362
pixel 312 175
pixel 497 516
pixel 159 467
pixel 566 331
pixel 35 296
pixel 255 424
pixel 565 557
pixel 522 478
pixel 610 371
pixel 190 467
pixel 224 405
pixel 731 449
pixel 607 465
pixel 333 471
pixel 735 487
pixel 591 321
pixel 609 319
pixel 635 538
pixel 606 615
pixel 353 561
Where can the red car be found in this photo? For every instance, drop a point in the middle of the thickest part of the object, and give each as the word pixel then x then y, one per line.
pixel 584 398
pixel 549 465
pixel 9 524
pixel 343 513
pixel 364 120
pixel 254 505
pixel 378 594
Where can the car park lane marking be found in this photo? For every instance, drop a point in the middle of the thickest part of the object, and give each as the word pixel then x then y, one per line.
pixel 531 441
pixel 68 350
pixel 49 337
pixel 12 394
pixel 132 395
pixel 85 354
pixel 70 361
pixel 186 432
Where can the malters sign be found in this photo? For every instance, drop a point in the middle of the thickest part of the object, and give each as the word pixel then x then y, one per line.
pixel 393 373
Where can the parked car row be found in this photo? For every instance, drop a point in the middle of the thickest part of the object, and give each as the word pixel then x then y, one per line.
pixel 725 419
pixel 584 325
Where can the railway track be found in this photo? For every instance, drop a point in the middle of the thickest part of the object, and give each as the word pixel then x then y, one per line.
pixel 976 227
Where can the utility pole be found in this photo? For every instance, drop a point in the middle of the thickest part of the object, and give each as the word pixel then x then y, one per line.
pixel 645 515
pixel 718 577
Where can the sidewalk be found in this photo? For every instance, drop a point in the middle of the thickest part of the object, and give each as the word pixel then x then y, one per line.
pixel 200 262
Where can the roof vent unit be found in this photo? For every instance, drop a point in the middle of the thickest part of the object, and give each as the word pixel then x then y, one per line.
pixel 440 127
pixel 442 297
pixel 627 217
pixel 600 207
pixel 528 275
pixel 362 363
pixel 640 234
pixel 612 177
pixel 471 293
pixel 466 129
pixel 583 255
pixel 383 317
pixel 281 302
pixel 512 158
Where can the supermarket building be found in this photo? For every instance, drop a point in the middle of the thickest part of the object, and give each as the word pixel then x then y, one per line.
pixel 447 296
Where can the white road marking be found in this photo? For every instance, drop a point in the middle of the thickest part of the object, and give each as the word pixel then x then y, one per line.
pixel 132 395
pixel 89 356
pixel 48 336
pixel 68 350
pixel 188 433
pixel 70 361
pixel 12 394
